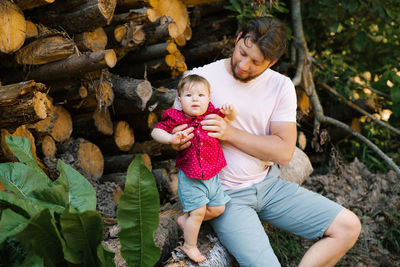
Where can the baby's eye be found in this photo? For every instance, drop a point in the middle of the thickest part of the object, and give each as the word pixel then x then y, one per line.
pixel 188 95
pixel 201 94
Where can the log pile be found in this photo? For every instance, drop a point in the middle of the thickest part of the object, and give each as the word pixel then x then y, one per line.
pixel 87 80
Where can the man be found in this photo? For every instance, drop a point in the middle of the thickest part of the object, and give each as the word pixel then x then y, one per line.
pixel 265 130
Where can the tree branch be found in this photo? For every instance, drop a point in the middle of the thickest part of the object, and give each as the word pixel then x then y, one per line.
pixel 352 105
pixel 310 88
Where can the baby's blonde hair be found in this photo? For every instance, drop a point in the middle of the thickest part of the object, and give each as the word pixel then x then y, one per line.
pixel 188 81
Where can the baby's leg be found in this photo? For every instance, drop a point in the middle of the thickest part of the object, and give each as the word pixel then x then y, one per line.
pixel 213 212
pixel 191 231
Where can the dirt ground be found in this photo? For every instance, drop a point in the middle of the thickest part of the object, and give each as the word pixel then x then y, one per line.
pixel 375 198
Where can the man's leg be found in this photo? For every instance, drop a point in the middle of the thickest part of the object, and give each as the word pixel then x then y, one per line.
pixel 302 212
pixel 241 232
pixel 340 236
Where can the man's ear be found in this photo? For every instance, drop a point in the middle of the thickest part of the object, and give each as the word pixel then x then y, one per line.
pixel 272 63
pixel 238 37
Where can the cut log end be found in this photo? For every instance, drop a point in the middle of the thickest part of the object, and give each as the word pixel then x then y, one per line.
pixel 152 120
pixel 103 122
pixel 124 136
pixel 110 58
pixel 62 127
pixel 42 105
pixel 12 27
pixel 90 160
pixel 48 146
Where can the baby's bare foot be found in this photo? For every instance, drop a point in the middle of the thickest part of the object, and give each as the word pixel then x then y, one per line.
pixel 193 253
pixel 182 220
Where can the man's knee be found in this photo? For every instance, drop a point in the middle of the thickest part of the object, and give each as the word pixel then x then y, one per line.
pixel 345 226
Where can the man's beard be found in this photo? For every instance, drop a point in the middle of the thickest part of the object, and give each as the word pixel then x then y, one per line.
pixel 244 80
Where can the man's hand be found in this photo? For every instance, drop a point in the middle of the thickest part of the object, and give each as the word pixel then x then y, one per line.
pixel 216 126
pixel 183 142
pixel 229 111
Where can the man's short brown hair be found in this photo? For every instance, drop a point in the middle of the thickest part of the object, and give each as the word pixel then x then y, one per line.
pixel 268 34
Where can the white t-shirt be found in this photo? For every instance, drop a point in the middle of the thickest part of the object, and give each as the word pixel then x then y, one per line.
pixel 269 97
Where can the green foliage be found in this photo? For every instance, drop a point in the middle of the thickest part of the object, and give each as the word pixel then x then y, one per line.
pixel 54 222
pixel 138 217
pixel 244 9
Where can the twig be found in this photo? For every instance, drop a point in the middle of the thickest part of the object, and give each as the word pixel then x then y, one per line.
pixel 351 104
pixel 310 88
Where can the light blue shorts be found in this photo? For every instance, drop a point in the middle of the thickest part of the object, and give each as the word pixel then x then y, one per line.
pixel 280 203
pixel 195 193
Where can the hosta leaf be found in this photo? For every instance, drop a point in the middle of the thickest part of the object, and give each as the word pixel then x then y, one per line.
pixel 21 206
pixel 138 217
pixel 83 233
pixel 21 179
pixel 10 224
pixel 33 260
pixel 21 147
pixel 81 194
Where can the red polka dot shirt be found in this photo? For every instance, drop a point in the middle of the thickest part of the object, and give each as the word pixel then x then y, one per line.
pixel 204 158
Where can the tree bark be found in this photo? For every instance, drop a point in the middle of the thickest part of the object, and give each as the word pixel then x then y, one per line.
pixel 23 103
pixel 12 27
pixel 78 16
pixel 45 50
pixel 71 67
pixel 135 90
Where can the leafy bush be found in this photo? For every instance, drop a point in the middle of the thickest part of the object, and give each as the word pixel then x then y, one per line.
pixel 46 223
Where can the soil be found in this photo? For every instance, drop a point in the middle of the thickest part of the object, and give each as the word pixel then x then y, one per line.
pixel 375 198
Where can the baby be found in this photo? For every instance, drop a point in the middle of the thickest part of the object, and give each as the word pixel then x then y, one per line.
pixel 199 189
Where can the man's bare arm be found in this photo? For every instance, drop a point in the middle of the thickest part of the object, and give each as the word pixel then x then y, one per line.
pixel 277 147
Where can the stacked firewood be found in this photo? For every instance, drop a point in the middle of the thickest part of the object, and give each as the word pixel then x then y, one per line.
pixel 86 81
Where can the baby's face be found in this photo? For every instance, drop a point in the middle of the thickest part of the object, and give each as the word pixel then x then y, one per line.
pixel 194 100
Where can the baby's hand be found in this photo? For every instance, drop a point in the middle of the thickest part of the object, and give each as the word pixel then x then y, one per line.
pixel 229 111
pixel 179 137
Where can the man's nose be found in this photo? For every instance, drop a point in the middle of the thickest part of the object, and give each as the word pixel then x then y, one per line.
pixel 244 64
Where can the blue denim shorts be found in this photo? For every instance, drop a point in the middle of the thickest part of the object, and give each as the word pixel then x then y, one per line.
pixel 283 204
pixel 194 193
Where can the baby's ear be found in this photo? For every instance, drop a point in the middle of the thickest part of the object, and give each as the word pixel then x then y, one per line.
pixel 179 102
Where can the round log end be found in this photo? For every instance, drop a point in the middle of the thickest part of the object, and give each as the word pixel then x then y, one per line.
pixel 173 30
pixel 49 146
pixel 147 161
pixel 124 137
pixel 12 27
pixel 170 60
pixel 103 122
pixel 120 32
pixel 90 159
pixel 110 58
pixel 83 93
pixel 172 48
pixel 152 14
pixel 62 127
pixel 31 29
pixel 152 120
pixel 154 3
pixel 42 105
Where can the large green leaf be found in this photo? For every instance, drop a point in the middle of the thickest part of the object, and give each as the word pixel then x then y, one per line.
pixel 21 206
pixel 54 198
pixel 81 194
pixel 83 233
pixel 21 147
pixel 138 217
pixel 10 224
pixel 21 179
pixel 43 238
